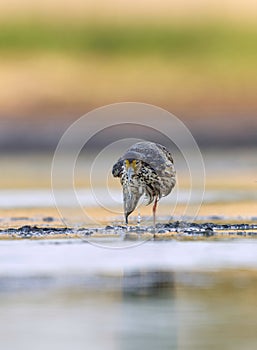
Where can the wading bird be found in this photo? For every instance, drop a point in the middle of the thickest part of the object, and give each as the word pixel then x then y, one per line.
pixel 146 168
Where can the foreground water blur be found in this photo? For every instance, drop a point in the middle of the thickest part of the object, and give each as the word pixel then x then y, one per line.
pixel 222 316
pixel 66 294
pixel 176 294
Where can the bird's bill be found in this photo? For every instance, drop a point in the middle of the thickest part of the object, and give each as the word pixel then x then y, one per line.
pixel 130 201
pixel 130 197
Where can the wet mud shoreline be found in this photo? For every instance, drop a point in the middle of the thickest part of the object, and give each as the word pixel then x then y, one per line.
pixel 176 230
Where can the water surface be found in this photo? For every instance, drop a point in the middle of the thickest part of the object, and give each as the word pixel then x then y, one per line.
pixel 114 293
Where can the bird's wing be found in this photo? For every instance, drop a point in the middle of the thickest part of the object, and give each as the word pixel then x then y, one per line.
pixel 153 154
pixel 117 168
pixel 166 152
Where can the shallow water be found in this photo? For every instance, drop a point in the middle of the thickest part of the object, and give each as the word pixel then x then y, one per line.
pixel 170 295
pixel 73 258
pixel 177 318
pixel 103 292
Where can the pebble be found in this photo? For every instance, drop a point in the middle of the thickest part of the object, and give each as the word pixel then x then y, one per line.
pixel 109 227
pixel 19 218
pixel 48 219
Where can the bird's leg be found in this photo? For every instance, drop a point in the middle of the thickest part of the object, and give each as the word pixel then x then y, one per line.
pixel 154 211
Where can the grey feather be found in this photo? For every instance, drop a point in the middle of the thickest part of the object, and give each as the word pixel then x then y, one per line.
pixel 154 177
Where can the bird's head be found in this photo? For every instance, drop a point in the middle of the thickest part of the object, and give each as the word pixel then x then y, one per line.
pixel 128 168
pixel 131 168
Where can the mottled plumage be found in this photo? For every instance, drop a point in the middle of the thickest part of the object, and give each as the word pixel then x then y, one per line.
pixel 147 169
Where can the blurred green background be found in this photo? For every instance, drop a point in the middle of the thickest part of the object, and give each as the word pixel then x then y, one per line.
pixel 59 60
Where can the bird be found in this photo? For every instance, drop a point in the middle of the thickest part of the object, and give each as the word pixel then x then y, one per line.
pixel 145 169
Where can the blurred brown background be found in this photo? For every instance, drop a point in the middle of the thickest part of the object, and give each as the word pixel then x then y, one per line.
pixel 59 60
